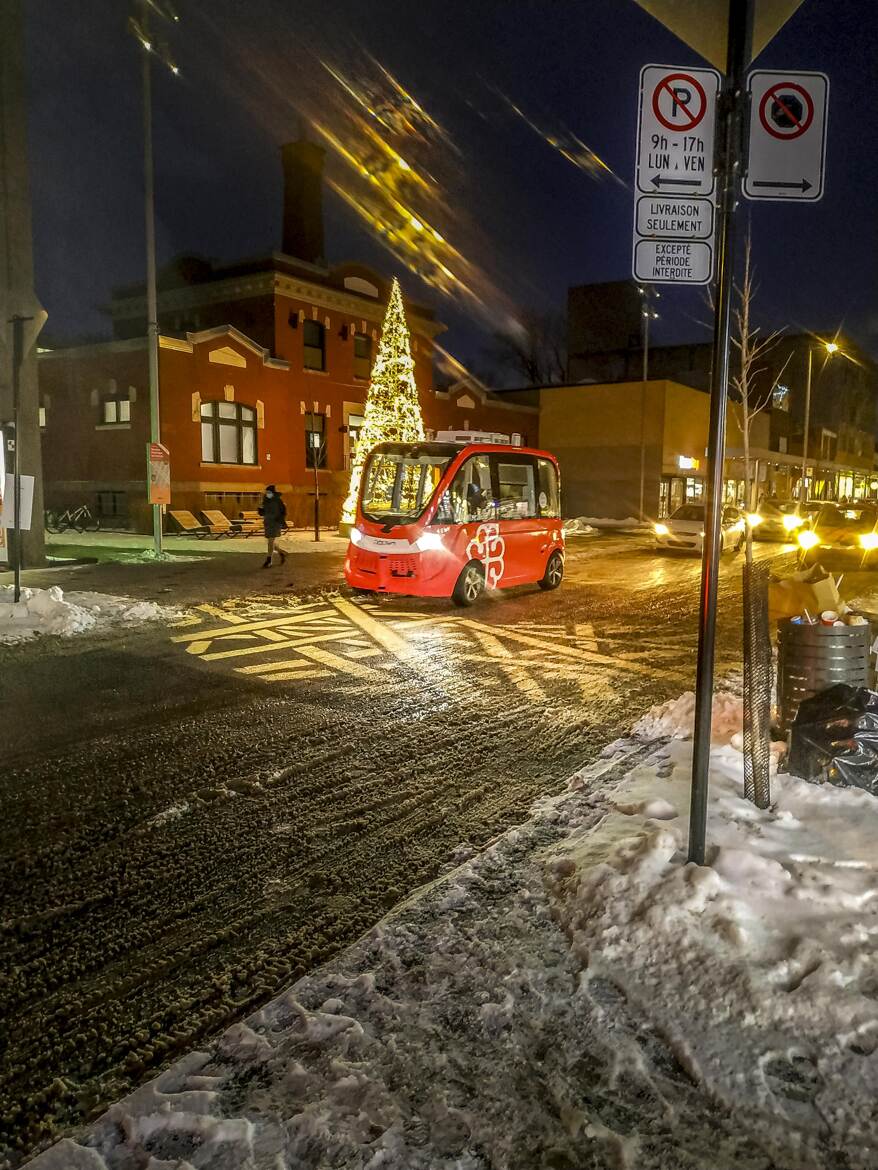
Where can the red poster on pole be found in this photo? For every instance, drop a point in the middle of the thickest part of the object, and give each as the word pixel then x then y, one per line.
pixel 159 459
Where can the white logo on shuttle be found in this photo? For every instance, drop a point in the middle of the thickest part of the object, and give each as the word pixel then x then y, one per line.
pixel 489 547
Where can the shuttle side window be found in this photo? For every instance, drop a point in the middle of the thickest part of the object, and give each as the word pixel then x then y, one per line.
pixel 470 497
pixel 517 490
pixel 549 498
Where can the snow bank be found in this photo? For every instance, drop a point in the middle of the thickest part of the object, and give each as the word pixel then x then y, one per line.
pixel 50 611
pixel 761 969
pixel 578 527
pixel 676 718
pixel 591 523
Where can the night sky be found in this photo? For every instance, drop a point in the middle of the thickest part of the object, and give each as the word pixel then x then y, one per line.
pixel 533 222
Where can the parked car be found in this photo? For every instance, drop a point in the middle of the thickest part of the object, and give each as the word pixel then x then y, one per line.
pixel 781 519
pixel 683 531
pixel 841 536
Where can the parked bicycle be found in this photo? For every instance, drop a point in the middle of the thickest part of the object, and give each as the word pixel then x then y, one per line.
pixel 79 519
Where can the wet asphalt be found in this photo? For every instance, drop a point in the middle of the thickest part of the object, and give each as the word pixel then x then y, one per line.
pixel 192 817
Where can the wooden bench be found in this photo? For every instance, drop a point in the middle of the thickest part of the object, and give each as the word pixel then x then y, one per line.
pixel 220 522
pixel 251 524
pixel 189 526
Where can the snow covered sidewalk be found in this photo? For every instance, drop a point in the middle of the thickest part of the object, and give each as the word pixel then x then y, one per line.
pixel 51 611
pixel 575 996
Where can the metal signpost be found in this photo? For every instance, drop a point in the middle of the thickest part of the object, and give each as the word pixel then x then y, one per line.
pixel 315 447
pixel 728 167
pixel 787 135
pixel 674 212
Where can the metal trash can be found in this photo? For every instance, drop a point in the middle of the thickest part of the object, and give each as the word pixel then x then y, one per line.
pixel 813 658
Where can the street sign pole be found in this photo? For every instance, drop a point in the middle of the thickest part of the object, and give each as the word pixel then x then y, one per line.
pixel 315 452
pixel 728 165
pixel 17 359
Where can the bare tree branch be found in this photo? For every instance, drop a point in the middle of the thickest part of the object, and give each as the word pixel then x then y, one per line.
pixel 535 352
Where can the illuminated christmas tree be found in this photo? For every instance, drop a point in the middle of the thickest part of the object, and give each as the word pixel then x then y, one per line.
pixel 393 412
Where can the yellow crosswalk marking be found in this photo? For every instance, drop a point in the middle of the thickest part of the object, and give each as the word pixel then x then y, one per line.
pixel 268 667
pixel 286 675
pixel 292 619
pixel 378 631
pixel 343 665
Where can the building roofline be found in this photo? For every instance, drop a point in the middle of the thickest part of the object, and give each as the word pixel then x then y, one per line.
pixel 487 397
pixel 215 334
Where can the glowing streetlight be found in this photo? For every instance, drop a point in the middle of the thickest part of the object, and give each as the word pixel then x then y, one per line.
pixel 139 27
pixel 829 347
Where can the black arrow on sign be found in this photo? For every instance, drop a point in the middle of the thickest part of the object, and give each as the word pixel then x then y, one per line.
pixel 658 181
pixel 803 185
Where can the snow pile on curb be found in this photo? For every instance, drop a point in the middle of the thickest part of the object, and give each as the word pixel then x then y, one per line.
pixel 578 527
pixel 761 969
pixel 592 523
pixel 50 611
pixel 676 718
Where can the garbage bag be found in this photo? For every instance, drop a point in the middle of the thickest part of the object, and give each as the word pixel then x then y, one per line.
pixel 834 739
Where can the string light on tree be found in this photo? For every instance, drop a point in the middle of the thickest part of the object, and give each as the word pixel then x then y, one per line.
pixel 393 410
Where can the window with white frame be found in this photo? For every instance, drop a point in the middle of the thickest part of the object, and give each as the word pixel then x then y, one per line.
pixel 116 410
pixel 228 433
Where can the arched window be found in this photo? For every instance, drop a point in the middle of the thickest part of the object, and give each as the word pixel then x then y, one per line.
pixel 228 433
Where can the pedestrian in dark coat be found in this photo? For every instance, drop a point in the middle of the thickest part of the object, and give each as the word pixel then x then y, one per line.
pixel 274 516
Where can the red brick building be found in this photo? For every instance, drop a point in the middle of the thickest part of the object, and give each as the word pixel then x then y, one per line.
pixel 254 359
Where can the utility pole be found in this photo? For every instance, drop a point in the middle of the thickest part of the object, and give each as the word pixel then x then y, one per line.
pixel 139 25
pixel 21 316
pixel 730 122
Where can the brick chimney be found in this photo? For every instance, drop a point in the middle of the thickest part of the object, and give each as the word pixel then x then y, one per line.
pixel 303 200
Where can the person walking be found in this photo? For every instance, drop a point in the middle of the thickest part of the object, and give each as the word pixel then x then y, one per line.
pixel 274 517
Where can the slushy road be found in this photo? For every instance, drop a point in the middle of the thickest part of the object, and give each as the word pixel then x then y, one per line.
pixel 191 817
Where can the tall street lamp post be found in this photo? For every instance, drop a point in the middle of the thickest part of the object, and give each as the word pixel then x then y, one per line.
pixel 830 347
pixel 139 26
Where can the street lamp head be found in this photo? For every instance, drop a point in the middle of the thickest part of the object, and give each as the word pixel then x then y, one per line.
pixel 831 347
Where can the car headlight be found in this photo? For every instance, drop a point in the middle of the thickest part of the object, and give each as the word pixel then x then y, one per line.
pixel 662 530
pixel 792 521
pixel 808 539
pixel 356 536
pixel 428 542
pixel 754 519
pixel 869 540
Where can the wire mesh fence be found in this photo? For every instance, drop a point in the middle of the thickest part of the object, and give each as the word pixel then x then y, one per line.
pixel 757 684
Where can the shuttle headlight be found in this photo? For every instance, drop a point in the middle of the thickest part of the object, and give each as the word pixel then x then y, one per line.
pixel 428 542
